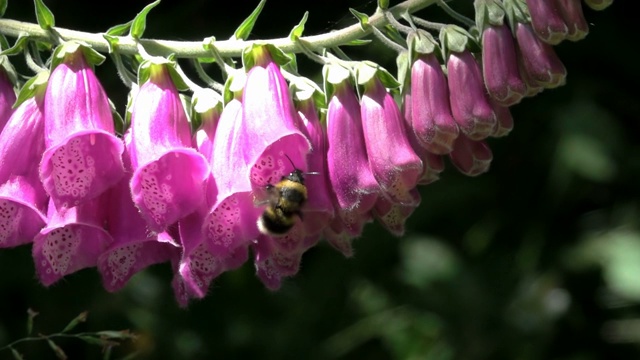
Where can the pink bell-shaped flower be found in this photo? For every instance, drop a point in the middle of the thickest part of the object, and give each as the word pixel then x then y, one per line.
pixel 7 96
pixel 539 61
pixel 547 21
pixel 500 66
pixel 168 174
pixel 471 157
pixel 23 200
pixel 83 157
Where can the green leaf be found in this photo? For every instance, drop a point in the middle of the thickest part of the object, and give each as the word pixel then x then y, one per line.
pixel 57 350
pixel 139 23
pixel 362 18
pixel 297 31
pixel 383 4
pixel 18 46
pixel 30 313
pixel 119 30
pixel 358 42
pixel 45 17
pixel 4 44
pixel 82 317
pixel 34 86
pixel 244 30
pixel 16 354
pixel 3 7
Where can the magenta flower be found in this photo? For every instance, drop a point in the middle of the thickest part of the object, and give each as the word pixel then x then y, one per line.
pixel 431 119
pixel 134 246
pixel 23 200
pixel 504 125
pixel 469 102
pixel 547 21
pixel 319 209
pixel 500 66
pixel 338 237
pixel 471 157
pixel 353 184
pixel 571 11
pixel 207 110
pixel 539 60
pixel 392 216
pixel 73 239
pixel 83 157
pixel 168 174
pixel 393 162
pixel 7 97
pixel 277 258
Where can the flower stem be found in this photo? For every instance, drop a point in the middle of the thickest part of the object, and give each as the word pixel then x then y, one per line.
pixel 194 49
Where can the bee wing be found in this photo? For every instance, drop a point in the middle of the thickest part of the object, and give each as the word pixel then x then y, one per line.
pixel 263 196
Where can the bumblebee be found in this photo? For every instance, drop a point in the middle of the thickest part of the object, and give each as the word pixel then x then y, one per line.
pixel 285 201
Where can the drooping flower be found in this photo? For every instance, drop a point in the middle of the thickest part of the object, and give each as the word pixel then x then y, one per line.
pixel 134 246
pixel 471 157
pixel 571 11
pixel 547 21
pixel 168 178
pixel 538 58
pixel 7 95
pixel 504 123
pixel 278 257
pixel 500 66
pixel 392 216
pixel 23 200
pixel 73 239
pixel 319 208
pixel 83 157
pixel 353 184
pixel 393 162
pixel 431 119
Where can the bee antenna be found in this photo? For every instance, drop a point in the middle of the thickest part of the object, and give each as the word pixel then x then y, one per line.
pixel 312 173
pixel 292 164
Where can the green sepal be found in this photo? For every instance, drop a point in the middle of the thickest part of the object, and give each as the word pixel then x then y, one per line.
pixel 456 39
pixel 204 100
pixel 366 70
pixel 71 47
pixel 118 121
pixel 488 12
pixel 45 17
pixel 115 334
pixel 422 42
pixel 297 31
pixel 145 68
pixel 357 42
pixel 3 7
pixel 292 65
pixel 127 114
pixel 363 19
pixel 393 34
pixel 208 44
pixel 18 46
pixel 82 317
pixel 304 89
pixel 234 84
pixel 517 12
pixel 9 69
pixel 139 23
pixel 244 30
pixel 4 43
pixel 120 30
pixel 332 75
pixel 112 42
pixel 36 86
pixel 383 4
pixel 254 54
pixel 404 62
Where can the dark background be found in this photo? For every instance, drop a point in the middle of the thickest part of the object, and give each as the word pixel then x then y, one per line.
pixel 537 259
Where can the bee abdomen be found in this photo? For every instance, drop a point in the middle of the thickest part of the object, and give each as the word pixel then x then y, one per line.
pixel 275 221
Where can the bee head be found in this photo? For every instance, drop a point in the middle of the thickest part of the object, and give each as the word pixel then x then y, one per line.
pixel 296 176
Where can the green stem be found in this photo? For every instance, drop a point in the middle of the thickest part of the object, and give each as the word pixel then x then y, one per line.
pixel 194 49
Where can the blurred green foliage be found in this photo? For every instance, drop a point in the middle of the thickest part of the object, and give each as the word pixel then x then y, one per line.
pixel 538 259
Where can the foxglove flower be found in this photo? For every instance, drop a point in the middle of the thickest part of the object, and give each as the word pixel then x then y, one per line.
pixel 338 237
pixel 319 208
pixel 23 200
pixel 207 109
pixel 431 119
pixel 393 162
pixel 168 174
pixel 469 102
pixel 598 4
pixel 539 60
pixel 83 157
pixel 134 247
pixel 471 157
pixel 547 21
pixel 571 11
pixel 504 123
pixel 500 66
pixel 73 239
pixel 277 258
pixel 392 216
pixel 7 96
pixel 351 179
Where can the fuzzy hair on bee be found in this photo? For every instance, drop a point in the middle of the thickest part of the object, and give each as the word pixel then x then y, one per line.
pixel 285 201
